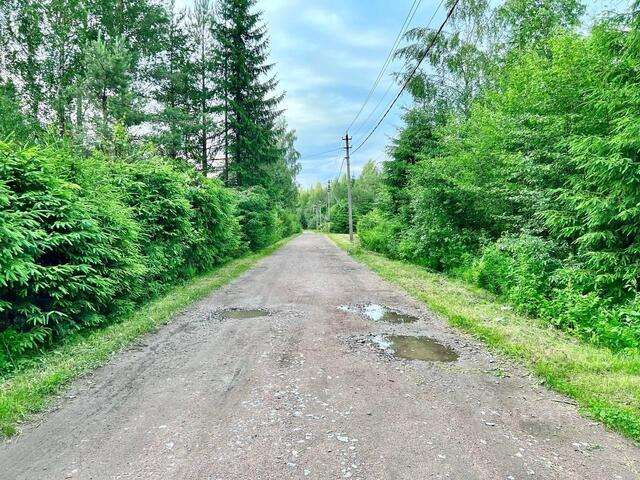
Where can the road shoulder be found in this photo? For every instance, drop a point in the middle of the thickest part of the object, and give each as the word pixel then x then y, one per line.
pixel 604 385
pixel 30 389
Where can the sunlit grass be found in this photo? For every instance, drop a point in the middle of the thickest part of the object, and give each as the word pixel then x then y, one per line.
pixel 605 385
pixel 29 389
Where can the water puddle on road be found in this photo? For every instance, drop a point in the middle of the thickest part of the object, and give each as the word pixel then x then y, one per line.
pixel 414 348
pixel 244 314
pixel 380 313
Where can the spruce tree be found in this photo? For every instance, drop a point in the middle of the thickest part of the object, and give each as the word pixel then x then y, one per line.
pixel 246 90
pixel 174 80
pixel 202 22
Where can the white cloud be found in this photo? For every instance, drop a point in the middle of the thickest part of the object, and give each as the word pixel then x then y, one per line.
pixel 333 24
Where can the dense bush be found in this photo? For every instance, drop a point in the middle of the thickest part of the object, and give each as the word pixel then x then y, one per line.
pixel 13 125
pixel 521 268
pixel 378 232
pixel 67 254
pixel 158 197
pixel 258 218
pixel 340 217
pixel 288 223
pixel 532 191
pixel 216 231
pixel 86 238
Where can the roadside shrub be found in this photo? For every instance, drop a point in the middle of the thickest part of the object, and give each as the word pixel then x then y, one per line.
pixel 537 277
pixel 258 218
pixel 157 195
pixel 520 268
pixel 13 124
pixel 288 223
pixel 83 240
pixel 436 245
pixel 65 253
pixel 574 306
pixel 216 230
pixel 340 217
pixel 377 232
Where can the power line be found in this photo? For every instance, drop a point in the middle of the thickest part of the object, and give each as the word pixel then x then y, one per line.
pixel 411 75
pixel 387 62
pixel 320 154
pixel 391 84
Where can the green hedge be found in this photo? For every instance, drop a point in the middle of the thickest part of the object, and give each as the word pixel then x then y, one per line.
pixel 82 239
pixel 262 221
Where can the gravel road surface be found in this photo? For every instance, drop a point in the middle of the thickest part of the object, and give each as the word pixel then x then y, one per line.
pixel 303 393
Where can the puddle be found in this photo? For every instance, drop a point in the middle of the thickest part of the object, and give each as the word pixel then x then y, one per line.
pixel 415 348
pixel 244 314
pixel 380 313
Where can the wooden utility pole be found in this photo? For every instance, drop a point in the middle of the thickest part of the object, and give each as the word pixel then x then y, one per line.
pixel 329 206
pixel 315 214
pixel 347 139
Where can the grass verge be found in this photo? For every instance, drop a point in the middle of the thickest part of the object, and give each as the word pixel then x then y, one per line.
pixel 29 389
pixel 605 385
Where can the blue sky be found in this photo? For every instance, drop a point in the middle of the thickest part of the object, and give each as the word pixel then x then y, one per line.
pixel 327 55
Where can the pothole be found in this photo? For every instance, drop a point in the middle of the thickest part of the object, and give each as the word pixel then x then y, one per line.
pixel 380 313
pixel 239 314
pixel 414 348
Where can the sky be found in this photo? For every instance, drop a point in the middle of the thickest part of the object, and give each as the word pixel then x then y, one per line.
pixel 327 55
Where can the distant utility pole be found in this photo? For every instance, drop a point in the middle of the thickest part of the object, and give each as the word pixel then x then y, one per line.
pixel 348 159
pixel 329 206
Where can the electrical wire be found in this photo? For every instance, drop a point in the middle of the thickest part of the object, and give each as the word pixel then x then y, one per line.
pixel 411 75
pixel 391 84
pixel 320 154
pixel 387 62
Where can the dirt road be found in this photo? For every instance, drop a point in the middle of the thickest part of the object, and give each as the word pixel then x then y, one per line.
pixel 302 393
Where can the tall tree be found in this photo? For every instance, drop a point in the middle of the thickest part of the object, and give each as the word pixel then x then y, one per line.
pixel 175 87
pixel 108 82
pixel 285 169
pixel 202 25
pixel 246 89
pixel 45 44
pixel 531 22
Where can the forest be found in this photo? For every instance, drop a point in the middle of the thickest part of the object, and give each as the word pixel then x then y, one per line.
pixel 140 146
pixel 517 164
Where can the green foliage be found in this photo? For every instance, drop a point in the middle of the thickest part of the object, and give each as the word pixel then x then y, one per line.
pixel 520 268
pixel 216 231
pixel 258 218
pixel 532 22
pixel 377 232
pixel 67 254
pixel 82 239
pixel 158 197
pixel 247 92
pixel 13 124
pixel 108 82
pixel 340 217
pixel 531 190
pixel 366 190
pixel 288 223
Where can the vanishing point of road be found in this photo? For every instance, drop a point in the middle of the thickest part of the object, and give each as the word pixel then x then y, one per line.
pixel 302 393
